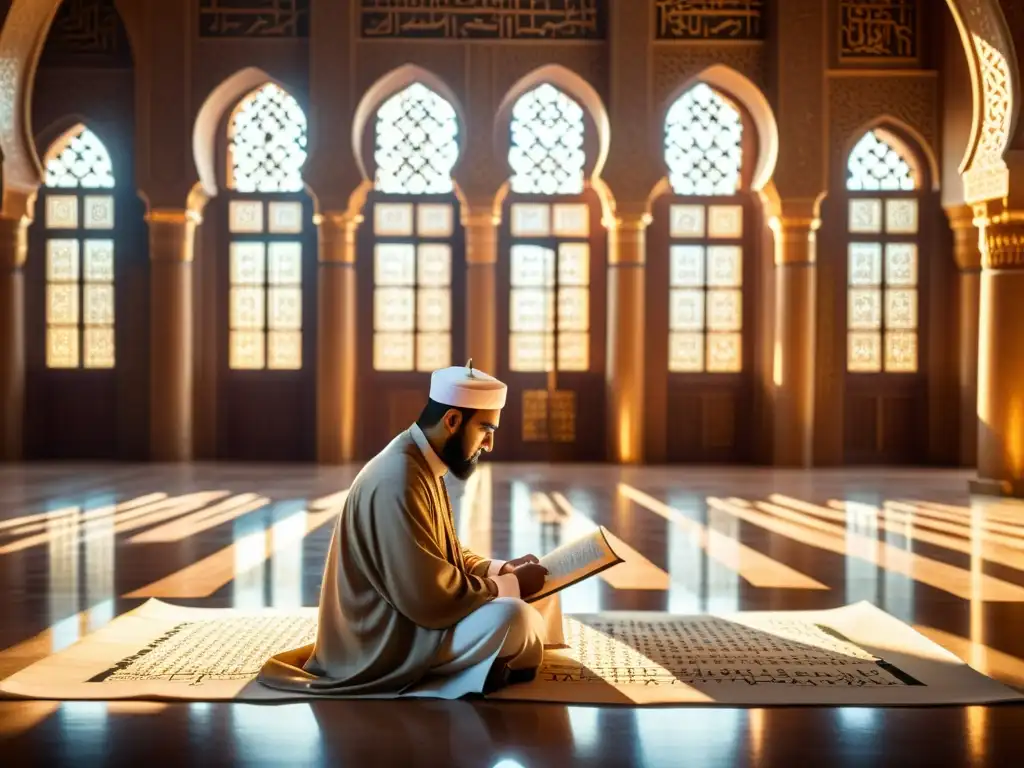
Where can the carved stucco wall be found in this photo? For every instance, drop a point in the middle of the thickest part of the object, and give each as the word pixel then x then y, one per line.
pixel 675 65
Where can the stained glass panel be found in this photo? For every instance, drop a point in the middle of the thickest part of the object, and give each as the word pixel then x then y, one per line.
pixel 267 142
pixel 247 309
pixel 394 264
pixel 864 309
pixel 393 351
pixel 394 309
pixel 573 309
pixel 901 308
pixel 532 309
pixel 285 309
pixel 78 159
pixel 901 217
pixel 285 217
pixel 99 304
pixel 865 263
pixel 416 143
pixel 532 265
pixel 875 164
pixel 247 263
pixel 246 350
pixel 686 310
pixel 573 352
pixel 531 352
pixel 574 264
pixel 901 264
pixel 62 212
pixel 245 216
pixel 725 353
pixel 393 219
pixel 61 260
pixel 687 266
pixel 901 352
pixel 62 304
pixel 98 211
pixel 285 263
pixel 99 347
pixel 434 309
pixel 865 216
pixel 284 350
pixel 864 352
pixel 686 221
pixel 571 220
pixel 99 261
pixel 686 352
pixel 725 221
pixel 435 265
pixel 62 347
pixel 703 135
pixel 435 220
pixel 433 351
pixel 725 266
pixel 531 220
pixel 725 310
pixel 547 154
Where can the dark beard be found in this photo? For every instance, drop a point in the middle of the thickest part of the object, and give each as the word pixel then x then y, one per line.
pixel 453 455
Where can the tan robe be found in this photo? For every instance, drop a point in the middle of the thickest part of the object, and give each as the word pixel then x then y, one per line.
pixel 386 606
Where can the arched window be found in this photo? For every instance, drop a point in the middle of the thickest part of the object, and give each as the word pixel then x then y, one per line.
pixel 266 220
pixel 704 155
pixel 79 220
pixel 882 277
pixel 414 215
pixel 547 153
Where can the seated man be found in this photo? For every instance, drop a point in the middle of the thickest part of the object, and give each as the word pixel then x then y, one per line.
pixel 404 608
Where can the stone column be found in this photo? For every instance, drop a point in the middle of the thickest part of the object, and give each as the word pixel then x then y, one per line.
pixel 1001 356
pixel 13 250
pixel 793 353
pixel 171 241
pixel 967 254
pixel 337 343
pixel 627 247
pixel 481 287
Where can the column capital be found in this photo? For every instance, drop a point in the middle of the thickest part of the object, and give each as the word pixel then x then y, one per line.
pixel 13 241
pixel 966 237
pixel 794 239
pixel 1002 239
pixel 338 236
pixel 171 234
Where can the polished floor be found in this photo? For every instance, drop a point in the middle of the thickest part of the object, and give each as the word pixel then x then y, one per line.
pixel 81 544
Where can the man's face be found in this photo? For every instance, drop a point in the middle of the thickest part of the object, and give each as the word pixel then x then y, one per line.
pixel 467 440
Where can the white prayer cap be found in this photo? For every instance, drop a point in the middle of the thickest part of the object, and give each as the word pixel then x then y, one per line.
pixel 465 387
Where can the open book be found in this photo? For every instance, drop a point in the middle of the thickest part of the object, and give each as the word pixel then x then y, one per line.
pixel 576 561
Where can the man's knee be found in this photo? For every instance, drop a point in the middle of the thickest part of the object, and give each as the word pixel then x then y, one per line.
pixel 524 630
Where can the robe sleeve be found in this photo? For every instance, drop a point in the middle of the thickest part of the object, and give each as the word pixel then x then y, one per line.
pixel 410 563
pixel 475 564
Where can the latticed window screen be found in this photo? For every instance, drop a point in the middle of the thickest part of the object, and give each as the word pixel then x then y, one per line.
pixel 412 275
pixel 79 220
pixel 416 147
pixel 547 154
pixel 266 151
pixel 703 135
pixel 882 294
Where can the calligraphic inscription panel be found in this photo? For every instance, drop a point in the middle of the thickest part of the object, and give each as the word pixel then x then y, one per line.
pixel 878 30
pixel 87 32
pixel 254 18
pixel 709 20
pixel 484 19
pixel 195 652
pixel 711 651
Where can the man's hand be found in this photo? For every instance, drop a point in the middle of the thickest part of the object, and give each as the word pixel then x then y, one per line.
pixel 511 565
pixel 531 578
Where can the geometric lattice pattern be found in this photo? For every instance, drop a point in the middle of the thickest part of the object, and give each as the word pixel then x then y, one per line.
pixel 703 135
pixel 875 165
pixel 546 155
pixel 267 142
pixel 78 159
pixel 416 143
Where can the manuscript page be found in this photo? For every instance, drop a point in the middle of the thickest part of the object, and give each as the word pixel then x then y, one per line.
pixel 576 561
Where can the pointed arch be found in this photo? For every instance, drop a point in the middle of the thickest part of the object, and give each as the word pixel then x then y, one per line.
pixel 78 158
pixel 906 141
pixel 221 101
pixel 390 86
pixel 571 84
pixel 266 142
